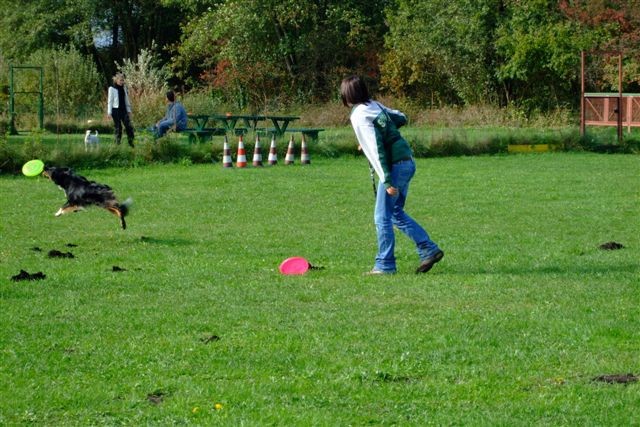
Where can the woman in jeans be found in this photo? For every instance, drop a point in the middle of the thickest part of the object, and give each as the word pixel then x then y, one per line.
pixel 376 128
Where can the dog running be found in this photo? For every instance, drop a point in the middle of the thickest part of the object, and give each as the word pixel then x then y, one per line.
pixel 81 192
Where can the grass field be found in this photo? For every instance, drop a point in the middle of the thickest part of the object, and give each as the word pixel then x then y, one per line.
pixel 200 329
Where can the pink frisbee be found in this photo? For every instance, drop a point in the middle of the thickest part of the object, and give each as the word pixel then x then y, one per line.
pixel 294 265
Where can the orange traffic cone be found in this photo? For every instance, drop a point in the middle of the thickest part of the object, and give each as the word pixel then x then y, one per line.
pixel 304 154
pixel 273 154
pixel 289 159
pixel 226 154
pixel 241 160
pixel 257 153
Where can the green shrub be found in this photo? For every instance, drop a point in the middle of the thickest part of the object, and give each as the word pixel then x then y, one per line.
pixel 202 102
pixel 146 81
pixel 79 126
pixel 68 150
pixel 72 84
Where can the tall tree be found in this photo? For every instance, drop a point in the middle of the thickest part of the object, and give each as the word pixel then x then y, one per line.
pixel 617 26
pixel 475 51
pixel 540 54
pixel 110 30
pixel 282 48
pixel 444 47
pixel 26 27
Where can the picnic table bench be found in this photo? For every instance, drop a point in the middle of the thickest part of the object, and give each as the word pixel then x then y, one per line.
pixel 197 135
pixel 309 133
pixel 228 122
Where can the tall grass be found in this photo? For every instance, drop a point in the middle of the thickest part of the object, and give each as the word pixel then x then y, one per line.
pixel 150 105
pixel 200 328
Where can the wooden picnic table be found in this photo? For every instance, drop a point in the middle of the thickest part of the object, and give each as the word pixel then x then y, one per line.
pixel 229 121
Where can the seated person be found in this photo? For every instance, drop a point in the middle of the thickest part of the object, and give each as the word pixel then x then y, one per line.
pixel 175 118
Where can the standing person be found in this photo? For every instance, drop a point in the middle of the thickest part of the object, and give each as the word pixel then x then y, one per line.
pixel 175 117
pixel 376 128
pixel 119 108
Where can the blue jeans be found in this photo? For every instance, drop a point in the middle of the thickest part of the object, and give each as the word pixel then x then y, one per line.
pixel 161 128
pixel 389 211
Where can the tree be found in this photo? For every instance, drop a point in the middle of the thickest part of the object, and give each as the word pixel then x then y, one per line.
pixel 255 51
pixel 444 47
pixel 617 26
pixel 540 53
pixel 109 30
pixel 497 51
pixel 26 27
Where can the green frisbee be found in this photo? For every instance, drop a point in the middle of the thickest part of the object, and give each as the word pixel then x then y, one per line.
pixel 33 168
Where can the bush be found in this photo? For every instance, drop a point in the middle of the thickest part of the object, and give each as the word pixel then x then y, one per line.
pixel 72 84
pixel 76 126
pixel 146 82
pixel 171 149
pixel 203 102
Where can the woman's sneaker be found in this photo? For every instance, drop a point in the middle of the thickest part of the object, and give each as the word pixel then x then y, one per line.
pixel 376 272
pixel 428 263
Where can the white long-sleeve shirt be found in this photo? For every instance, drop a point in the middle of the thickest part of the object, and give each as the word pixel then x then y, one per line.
pixel 114 102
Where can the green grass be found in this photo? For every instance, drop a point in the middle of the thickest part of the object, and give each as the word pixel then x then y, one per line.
pixel 509 329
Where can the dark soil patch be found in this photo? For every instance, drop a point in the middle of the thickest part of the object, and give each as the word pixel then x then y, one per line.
pixel 71 245
pixel 392 378
pixel 617 378
pixel 156 397
pixel 23 275
pixel 54 253
pixel 611 246
pixel 117 269
pixel 212 338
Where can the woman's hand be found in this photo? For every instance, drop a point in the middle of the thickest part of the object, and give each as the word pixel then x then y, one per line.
pixel 392 191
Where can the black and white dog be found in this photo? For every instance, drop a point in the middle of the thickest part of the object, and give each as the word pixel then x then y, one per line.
pixel 81 192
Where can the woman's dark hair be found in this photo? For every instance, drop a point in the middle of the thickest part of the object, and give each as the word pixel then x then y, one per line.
pixel 171 96
pixel 354 91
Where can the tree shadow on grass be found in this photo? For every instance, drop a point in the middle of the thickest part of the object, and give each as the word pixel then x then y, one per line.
pixel 172 241
pixel 545 269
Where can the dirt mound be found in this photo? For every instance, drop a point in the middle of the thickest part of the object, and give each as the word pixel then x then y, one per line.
pixel 617 378
pixel 54 253
pixel 211 338
pixel 23 275
pixel 611 246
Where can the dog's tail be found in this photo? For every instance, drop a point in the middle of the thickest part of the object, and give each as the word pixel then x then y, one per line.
pixel 124 208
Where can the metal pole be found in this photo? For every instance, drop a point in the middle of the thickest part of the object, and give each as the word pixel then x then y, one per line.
pixel 41 103
pixel 12 106
pixel 620 99
pixel 582 112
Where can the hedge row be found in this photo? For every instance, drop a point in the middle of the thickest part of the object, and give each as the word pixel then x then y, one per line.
pixel 70 151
